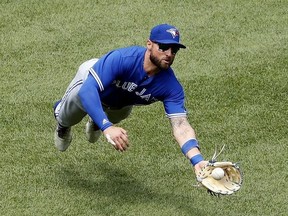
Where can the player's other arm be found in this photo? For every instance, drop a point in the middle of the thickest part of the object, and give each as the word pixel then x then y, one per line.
pixel 91 102
pixel 186 138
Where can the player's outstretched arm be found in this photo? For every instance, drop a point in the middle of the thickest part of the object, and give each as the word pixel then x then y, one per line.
pixel 228 183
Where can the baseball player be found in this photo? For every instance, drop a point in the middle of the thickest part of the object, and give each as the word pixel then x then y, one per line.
pixel 107 89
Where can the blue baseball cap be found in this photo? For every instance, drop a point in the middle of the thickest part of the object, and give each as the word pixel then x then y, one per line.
pixel 166 34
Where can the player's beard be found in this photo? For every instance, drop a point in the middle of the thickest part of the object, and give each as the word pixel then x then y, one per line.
pixel 160 64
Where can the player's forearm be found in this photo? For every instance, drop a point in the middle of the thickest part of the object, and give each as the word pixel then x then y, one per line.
pixel 186 138
pixel 90 100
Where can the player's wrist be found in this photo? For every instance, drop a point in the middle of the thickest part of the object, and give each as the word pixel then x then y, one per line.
pixel 196 159
pixel 190 144
pixel 191 150
pixel 107 125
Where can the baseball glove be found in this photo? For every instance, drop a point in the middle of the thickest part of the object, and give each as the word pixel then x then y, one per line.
pixel 228 184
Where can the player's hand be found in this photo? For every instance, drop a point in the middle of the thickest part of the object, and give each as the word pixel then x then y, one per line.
pixel 199 166
pixel 118 137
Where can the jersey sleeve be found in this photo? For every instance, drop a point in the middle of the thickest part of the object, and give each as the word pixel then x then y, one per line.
pixel 174 104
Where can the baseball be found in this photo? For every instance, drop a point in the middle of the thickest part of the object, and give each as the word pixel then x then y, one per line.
pixel 217 173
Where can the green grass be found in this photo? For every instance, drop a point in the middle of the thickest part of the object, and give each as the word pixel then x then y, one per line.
pixel 235 75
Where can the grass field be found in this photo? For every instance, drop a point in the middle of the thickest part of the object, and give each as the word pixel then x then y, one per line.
pixel 234 72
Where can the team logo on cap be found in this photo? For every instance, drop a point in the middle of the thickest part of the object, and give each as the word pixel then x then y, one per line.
pixel 174 32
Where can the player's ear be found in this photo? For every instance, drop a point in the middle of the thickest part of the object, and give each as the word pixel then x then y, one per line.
pixel 149 44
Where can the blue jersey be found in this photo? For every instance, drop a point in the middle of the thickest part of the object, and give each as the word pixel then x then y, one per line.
pixel 120 80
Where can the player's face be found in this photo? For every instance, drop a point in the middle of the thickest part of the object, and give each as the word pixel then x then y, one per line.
pixel 162 55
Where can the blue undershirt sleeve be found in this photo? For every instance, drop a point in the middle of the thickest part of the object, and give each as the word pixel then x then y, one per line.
pixel 91 102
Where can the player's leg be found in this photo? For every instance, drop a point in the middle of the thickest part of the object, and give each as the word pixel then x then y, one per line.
pixel 92 131
pixel 69 111
pixel 117 115
pixel 114 115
